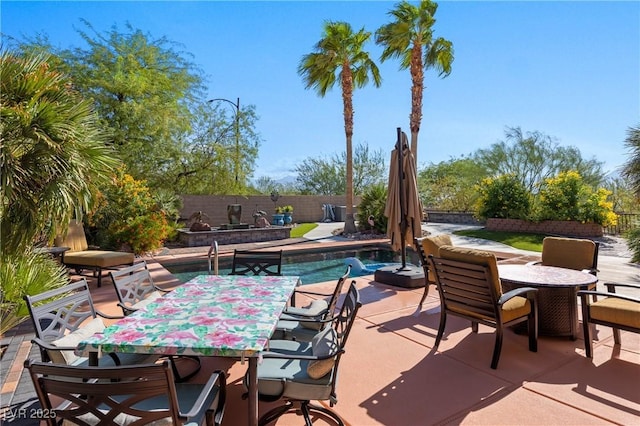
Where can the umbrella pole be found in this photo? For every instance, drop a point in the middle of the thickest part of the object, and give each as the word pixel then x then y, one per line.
pixel 403 214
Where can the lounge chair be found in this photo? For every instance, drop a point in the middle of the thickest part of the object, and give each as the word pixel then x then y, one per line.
pixel 79 257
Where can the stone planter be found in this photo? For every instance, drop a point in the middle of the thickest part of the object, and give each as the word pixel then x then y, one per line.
pixel 278 219
pixel 567 228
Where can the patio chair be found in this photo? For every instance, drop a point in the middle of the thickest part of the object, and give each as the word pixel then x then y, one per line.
pixel 572 253
pixel 80 257
pixel 424 247
pixel 252 262
pixel 299 372
pixel 619 311
pixel 303 323
pixel 144 394
pixel 135 290
pixel 63 317
pixel 469 287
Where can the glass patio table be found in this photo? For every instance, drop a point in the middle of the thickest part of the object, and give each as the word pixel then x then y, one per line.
pixel 211 315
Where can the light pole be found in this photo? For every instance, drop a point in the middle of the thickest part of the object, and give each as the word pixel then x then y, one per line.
pixel 236 162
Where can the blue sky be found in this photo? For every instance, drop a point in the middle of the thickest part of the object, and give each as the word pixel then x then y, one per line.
pixel 568 69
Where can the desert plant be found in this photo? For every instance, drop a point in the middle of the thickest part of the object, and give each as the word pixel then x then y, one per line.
pixel 633 242
pixel 22 274
pixel 372 205
pixel 503 197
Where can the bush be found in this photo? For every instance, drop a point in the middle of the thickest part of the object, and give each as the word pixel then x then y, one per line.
pixel 503 197
pixel 633 241
pixel 372 204
pixel 129 217
pixel 567 197
pixel 21 274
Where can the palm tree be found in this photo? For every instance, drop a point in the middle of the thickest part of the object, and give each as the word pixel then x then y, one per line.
pixel 410 38
pixel 52 153
pixel 631 169
pixel 338 57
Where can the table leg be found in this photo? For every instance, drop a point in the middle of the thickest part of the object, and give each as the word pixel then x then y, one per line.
pixel 93 359
pixel 253 391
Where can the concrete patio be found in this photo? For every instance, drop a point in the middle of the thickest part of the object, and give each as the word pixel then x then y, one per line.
pixel 390 374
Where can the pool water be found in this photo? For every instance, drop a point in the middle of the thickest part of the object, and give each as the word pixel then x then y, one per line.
pixel 312 268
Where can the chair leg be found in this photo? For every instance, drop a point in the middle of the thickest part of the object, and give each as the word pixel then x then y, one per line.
pixel 497 348
pixel 274 413
pixel 586 330
pixel 532 322
pixel 443 322
pixel 474 326
pixel 176 373
pixel 309 407
pixel 616 336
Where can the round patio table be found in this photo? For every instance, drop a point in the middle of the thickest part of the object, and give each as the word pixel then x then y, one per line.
pixel 557 294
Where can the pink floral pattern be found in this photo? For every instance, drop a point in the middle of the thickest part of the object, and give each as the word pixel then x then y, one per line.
pixel 210 315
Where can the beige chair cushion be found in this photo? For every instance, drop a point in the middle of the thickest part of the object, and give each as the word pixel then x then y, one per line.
pixel 515 307
pixel 315 308
pixel 572 253
pixel 98 258
pixel 431 245
pixel 618 311
pixel 149 299
pixel 476 257
pixel 72 339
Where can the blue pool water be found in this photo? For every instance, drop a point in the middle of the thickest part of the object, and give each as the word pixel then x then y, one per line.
pixel 310 267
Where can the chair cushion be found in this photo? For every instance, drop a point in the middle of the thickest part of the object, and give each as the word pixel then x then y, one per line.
pixel 98 258
pixel 476 257
pixel 149 299
pixel 323 344
pixel 514 308
pixel 72 339
pixel 431 245
pixel 572 253
pixel 617 311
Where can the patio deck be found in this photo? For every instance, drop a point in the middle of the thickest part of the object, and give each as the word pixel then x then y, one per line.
pixel 390 374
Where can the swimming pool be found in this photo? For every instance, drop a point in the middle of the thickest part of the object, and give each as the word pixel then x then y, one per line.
pixel 311 267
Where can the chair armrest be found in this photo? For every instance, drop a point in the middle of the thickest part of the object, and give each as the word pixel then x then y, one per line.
pixel 534 262
pixel 585 293
pixel 107 316
pixel 50 347
pixel 611 287
pixel 278 355
pixel 526 291
pixel 314 293
pixel 125 309
pixel 219 379
pixel 297 313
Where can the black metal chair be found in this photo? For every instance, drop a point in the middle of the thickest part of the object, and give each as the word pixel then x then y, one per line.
pixel 135 290
pixel 63 317
pixel 301 372
pixel 253 262
pixel 142 394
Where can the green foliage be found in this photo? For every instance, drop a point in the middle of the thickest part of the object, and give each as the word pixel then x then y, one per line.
pixel 533 157
pixel 372 204
pixel 53 154
pixel 633 242
pixel 129 216
pixel 503 197
pixel 21 274
pixel 451 185
pixel 567 197
pixel 631 169
pixel 325 176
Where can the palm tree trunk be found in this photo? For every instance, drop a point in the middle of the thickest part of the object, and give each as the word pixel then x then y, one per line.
pixel 417 87
pixel 347 100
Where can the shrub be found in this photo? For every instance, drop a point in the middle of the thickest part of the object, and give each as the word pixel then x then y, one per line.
pixel 372 204
pixel 633 241
pixel 128 216
pixel 21 274
pixel 567 197
pixel 503 197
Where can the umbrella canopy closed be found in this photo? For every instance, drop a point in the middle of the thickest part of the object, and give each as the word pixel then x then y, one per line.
pixel 403 207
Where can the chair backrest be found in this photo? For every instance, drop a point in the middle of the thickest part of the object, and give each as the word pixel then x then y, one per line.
pixel 61 311
pixel 572 253
pixel 106 395
pixel 468 281
pixel 250 262
pixel 75 238
pixel 133 284
pixel 426 246
pixel 346 317
pixel 333 301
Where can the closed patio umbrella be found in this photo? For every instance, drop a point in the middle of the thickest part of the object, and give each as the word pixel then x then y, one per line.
pixel 404 212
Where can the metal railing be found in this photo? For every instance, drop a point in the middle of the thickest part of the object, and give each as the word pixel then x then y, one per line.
pixel 626 221
pixel 213 250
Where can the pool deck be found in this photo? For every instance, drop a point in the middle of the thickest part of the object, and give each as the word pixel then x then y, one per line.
pixel 391 375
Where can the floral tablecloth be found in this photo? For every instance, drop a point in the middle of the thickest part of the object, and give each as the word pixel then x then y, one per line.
pixel 210 315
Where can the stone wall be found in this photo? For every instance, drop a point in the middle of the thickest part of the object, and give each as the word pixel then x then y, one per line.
pixel 235 236
pixel 306 208
pixel 553 227
pixel 440 216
